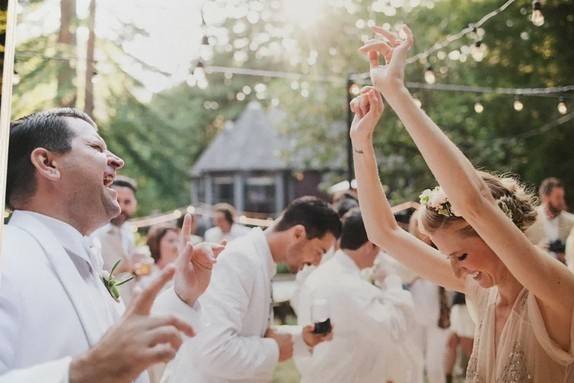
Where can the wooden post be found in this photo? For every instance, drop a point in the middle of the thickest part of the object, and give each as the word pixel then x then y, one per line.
pixel 90 63
pixel 8 6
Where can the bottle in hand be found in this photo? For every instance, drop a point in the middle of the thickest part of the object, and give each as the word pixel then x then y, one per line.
pixel 320 316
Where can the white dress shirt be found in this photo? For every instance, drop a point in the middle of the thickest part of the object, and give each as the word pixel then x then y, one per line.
pixel 370 328
pixel 53 304
pixel 237 309
pixel 35 307
pixel 216 235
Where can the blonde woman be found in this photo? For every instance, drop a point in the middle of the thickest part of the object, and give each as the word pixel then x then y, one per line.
pixel 523 299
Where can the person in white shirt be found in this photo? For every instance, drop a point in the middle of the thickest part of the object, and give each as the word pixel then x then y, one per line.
pixel 116 239
pixel 553 223
pixel 59 322
pixel 371 325
pixel 225 229
pixel 430 332
pixel 237 343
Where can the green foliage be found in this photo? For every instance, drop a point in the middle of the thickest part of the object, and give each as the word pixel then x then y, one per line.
pixel 161 139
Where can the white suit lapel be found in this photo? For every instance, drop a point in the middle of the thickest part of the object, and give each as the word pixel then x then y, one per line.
pixel 67 274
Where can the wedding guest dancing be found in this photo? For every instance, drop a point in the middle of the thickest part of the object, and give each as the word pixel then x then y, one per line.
pixel 237 343
pixel 59 320
pixel 523 297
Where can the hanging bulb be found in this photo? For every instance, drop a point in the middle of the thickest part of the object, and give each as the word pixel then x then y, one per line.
pixel 199 75
pixel 430 78
pixel 562 107
pixel 354 90
pixel 537 17
pixel 518 105
pixel 16 78
pixel 418 103
pixel 478 107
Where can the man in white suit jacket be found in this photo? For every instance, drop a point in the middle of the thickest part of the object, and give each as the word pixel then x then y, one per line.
pixel 553 223
pixel 58 322
pixel 236 343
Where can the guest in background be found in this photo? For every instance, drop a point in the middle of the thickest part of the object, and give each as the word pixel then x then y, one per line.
pixel 553 223
pixel 462 327
pixel 162 241
pixel 371 325
pixel 432 315
pixel 116 239
pixel 225 227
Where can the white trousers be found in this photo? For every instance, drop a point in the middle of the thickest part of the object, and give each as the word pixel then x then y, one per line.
pixel 433 342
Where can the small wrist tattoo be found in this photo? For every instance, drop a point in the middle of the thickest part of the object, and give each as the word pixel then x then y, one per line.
pixel 359 151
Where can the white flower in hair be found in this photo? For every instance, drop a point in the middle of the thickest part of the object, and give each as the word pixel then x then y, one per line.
pixel 437 200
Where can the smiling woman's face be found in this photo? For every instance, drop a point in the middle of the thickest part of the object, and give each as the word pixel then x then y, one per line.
pixel 469 255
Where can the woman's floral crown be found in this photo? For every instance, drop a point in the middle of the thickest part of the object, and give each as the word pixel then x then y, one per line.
pixel 437 201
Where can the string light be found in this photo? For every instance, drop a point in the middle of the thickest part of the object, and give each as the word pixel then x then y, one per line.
pixel 518 105
pixel 478 107
pixel 354 89
pixel 430 77
pixel 198 77
pixel 418 102
pixel 562 107
pixel 537 17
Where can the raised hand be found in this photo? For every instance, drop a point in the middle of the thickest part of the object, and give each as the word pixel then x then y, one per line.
pixel 394 50
pixel 193 265
pixel 368 108
pixel 135 343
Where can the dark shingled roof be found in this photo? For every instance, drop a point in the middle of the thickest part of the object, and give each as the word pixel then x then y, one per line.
pixel 251 143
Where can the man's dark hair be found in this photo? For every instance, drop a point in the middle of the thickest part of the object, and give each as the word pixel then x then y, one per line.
pixel 345 204
pixel 548 185
pixel 125 182
pixel 314 214
pixel 48 129
pixel 227 210
pixel 354 233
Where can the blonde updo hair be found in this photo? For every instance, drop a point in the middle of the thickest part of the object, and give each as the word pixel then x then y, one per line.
pixel 511 196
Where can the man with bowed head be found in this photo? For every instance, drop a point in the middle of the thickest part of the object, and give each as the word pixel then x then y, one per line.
pixel 237 344
pixel 58 321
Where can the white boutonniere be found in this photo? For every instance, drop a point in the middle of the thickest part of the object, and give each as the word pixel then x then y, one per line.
pixel 112 284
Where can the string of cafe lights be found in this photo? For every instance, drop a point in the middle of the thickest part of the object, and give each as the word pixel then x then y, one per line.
pixel 198 76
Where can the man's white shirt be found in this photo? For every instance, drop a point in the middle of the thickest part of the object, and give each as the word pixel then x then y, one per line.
pixel 216 235
pixel 237 310
pixel 370 328
pixel 53 305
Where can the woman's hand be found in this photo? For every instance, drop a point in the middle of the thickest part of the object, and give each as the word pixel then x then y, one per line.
pixel 390 76
pixel 368 108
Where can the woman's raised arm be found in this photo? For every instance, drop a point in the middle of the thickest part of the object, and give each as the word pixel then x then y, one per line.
pixel 546 278
pixel 380 223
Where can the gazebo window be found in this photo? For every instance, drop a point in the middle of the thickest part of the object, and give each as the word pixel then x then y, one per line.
pixel 223 189
pixel 260 194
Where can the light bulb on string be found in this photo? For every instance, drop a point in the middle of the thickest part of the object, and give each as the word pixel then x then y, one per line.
pixel 418 102
pixel 354 90
pixel 430 77
pixel 16 78
pixel 478 107
pixel 199 75
pixel 518 105
pixel 537 17
pixel 562 107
